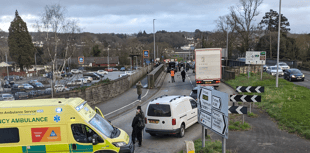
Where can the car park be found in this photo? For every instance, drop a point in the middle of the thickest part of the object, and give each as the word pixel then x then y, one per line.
pixel 32 93
pixel 21 95
pixel 27 86
pixel 102 72
pixel 272 70
pixel 294 74
pixel 7 97
pixel 129 72
pixel 170 115
pixel 75 71
pixel 123 69
pixel 66 74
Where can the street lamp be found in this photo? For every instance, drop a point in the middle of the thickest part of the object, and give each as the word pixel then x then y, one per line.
pixel 108 60
pixel 277 77
pixel 154 37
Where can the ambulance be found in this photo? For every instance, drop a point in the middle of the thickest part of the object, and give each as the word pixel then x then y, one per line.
pixel 63 125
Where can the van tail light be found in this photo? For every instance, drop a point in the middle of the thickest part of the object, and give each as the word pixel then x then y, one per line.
pixel 174 121
pixel 145 120
pixel 218 81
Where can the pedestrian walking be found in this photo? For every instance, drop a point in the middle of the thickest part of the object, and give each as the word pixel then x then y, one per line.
pixel 139 89
pixel 172 75
pixel 183 73
pixel 143 119
pixel 137 126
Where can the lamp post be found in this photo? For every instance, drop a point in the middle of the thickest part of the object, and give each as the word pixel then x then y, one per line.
pixel 279 27
pixel 108 60
pixel 154 37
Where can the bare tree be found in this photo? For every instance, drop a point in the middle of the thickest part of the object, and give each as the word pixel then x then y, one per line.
pixel 242 16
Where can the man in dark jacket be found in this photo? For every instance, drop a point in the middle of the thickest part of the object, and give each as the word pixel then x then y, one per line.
pixel 139 90
pixel 183 73
pixel 136 130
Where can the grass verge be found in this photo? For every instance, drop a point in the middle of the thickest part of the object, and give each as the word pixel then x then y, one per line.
pixel 210 146
pixel 288 104
pixel 252 115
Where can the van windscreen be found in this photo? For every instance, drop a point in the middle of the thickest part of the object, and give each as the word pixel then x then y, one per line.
pixel 159 110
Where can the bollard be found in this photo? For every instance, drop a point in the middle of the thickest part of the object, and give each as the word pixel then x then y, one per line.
pixel 189 147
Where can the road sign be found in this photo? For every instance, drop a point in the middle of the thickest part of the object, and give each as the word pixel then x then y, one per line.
pixel 237 110
pixel 245 98
pixel 250 89
pixel 81 59
pixel 255 57
pixel 213 110
pixel 145 53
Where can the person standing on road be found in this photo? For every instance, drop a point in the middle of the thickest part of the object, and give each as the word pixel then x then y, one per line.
pixel 183 73
pixel 139 90
pixel 136 128
pixel 172 75
pixel 143 119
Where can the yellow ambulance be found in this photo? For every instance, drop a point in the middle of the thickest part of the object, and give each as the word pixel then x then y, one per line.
pixel 61 125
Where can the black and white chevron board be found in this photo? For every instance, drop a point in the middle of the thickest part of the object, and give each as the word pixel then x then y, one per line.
pixel 250 89
pixel 237 110
pixel 245 98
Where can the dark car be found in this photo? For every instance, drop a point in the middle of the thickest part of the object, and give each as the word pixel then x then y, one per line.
pixel 40 92
pixel 6 86
pixel 17 88
pixel 193 94
pixel 101 75
pixel 293 74
pixel 66 74
pixel 21 95
pixel 123 69
pixel 32 93
pixel 94 76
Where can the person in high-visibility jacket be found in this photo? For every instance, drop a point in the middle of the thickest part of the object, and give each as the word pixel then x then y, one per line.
pixel 172 75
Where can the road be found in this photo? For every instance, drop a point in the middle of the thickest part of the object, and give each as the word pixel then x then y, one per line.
pixel 306 82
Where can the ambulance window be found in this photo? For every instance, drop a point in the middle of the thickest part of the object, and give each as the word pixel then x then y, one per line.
pixel 84 134
pixel 9 135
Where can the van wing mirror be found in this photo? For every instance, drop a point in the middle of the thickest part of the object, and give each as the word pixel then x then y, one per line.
pixel 98 111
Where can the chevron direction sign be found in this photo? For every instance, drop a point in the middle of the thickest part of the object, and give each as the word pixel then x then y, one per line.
pixel 213 110
pixel 237 110
pixel 245 98
pixel 250 89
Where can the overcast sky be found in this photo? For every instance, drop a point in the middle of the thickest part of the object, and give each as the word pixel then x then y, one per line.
pixel 132 16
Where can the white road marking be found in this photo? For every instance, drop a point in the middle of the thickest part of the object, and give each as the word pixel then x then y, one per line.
pixel 128 104
pixel 189 80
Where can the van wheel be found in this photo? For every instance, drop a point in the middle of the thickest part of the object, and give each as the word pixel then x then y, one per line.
pixel 152 134
pixel 182 131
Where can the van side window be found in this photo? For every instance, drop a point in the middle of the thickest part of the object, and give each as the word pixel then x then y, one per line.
pixel 9 135
pixel 193 103
pixel 84 134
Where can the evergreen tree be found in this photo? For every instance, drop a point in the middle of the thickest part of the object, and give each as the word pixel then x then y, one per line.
pixel 20 43
pixel 96 51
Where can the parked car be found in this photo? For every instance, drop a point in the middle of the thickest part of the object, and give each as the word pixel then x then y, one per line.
pixel 17 88
pixel 121 75
pixel 109 69
pixel 272 70
pixel 32 93
pixel 32 82
pixel 193 93
pixel 27 86
pixel 21 95
pixel 38 85
pixel 81 69
pixel 115 69
pixel 66 74
pixel 283 66
pixel 102 72
pixel 48 91
pixel 6 85
pixel 80 81
pixel 101 75
pixel 59 88
pixel 88 78
pixel 40 92
pixel 123 69
pixel 265 67
pixel 75 71
pixel 129 72
pixel 93 75
pixel 7 97
pixel 294 74
pixel 170 115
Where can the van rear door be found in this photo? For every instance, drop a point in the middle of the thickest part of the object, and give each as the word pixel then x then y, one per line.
pixel 159 116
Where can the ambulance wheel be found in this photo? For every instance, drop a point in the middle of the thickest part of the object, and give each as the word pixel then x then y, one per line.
pixel 182 131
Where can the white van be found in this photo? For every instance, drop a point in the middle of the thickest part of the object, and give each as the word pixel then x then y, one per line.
pixel 170 115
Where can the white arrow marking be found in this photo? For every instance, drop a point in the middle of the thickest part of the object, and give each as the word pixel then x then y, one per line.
pixel 238 89
pixel 242 98
pixel 232 98
pixel 248 89
pixel 238 110
pixel 257 89
pixel 228 110
pixel 253 98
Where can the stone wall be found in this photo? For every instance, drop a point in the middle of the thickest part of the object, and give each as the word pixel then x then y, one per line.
pixel 104 92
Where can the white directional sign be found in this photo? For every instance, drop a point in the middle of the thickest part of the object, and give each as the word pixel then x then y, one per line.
pixel 255 57
pixel 213 110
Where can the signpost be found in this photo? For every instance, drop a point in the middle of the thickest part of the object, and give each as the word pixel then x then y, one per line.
pixel 145 53
pixel 248 98
pixel 213 112
pixel 250 89
pixel 256 58
pixel 237 110
pixel 81 59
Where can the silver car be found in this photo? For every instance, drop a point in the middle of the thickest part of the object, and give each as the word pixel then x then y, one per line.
pixel 7 97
